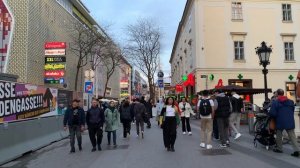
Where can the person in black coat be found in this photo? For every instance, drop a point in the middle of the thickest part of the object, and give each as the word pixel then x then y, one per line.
pixel 126 116
pixel 95 119
pixel 148 115
pixel 75 119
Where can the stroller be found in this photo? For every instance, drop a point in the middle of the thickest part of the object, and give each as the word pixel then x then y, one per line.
pixel 262 131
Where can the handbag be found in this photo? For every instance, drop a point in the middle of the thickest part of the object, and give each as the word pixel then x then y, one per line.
pixel 162 117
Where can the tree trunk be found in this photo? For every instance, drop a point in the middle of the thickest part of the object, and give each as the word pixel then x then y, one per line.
pixel 76 78
pixel 106 83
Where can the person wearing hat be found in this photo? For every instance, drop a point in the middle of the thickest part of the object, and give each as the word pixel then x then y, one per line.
pixel 75 119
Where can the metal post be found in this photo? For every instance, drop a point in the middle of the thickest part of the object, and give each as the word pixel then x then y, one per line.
pixel 265 72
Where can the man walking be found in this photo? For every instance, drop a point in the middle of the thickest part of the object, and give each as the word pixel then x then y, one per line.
pixel 222 114
pixel 235 116
pixel 95 119
pixel 282 110
pixel 206 110
pixel 75 119
pixel 139 115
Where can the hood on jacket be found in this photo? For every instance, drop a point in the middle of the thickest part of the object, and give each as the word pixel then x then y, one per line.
pixel 282 98
pixel 221 95
pixel 236 96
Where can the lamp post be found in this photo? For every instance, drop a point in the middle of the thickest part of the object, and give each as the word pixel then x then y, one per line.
pixel 263 53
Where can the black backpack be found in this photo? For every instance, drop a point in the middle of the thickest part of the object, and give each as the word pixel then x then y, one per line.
pixel 205 107
pixel 125 113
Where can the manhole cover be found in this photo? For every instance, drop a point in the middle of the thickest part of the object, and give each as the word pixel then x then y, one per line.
pixel 119 147
pixel 215 152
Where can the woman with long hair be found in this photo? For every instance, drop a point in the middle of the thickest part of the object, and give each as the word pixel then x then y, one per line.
pixel 112 119
pixel 170 123
pixel 186 111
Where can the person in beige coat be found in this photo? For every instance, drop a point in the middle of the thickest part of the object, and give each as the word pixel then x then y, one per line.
pixel 186 111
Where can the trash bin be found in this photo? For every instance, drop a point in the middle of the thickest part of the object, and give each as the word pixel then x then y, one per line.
pixel 251 121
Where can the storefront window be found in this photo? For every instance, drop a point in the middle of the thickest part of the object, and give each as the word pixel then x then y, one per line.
pixel 291 90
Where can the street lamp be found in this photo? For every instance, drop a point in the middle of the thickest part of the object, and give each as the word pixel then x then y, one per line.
pixel 263 53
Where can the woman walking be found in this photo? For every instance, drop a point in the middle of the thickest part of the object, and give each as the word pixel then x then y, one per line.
pixel 112 119
pixel 186 111
pixel 126 115
pixel 170 122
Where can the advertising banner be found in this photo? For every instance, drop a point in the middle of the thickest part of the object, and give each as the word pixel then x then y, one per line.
pixel 23 101
pixel 55 52
pixel 57 45
pixel 55 59
pixel 55 73
pixel 55 66
pixel 88 87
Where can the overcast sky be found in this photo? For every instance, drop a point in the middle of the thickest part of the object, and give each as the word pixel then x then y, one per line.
pixel 119 13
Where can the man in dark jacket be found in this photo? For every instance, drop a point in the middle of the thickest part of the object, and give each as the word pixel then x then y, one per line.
pixel 148 107
pixel 95 119
pixel 126 116
pixel 75 119
pixel 282 110
pixel 139 115
pixel 222 114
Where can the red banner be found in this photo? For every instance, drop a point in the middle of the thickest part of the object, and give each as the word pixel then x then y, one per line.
pixel 57 73
pixel 55 45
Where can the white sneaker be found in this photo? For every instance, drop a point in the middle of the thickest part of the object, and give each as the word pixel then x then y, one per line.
pixel 183 133
pixel 237 136
pixel 202 145
pixel 208 146
pixel 137 135
pixel 190 133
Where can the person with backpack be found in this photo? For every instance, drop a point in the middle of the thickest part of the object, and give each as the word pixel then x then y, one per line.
pixel 126 116
pixel 186 111
pixel 206 110
pixel 95 120
pixel 222 114
pixel 139 115
pixel 235 116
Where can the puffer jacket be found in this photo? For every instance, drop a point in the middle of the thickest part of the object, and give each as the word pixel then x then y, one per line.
pixel 188 110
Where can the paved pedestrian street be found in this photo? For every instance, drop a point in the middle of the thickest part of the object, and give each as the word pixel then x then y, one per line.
pixel 150 153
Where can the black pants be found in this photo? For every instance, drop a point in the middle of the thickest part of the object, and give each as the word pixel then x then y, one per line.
pixel 223 125
pixel 95 131
pixel 169 132
pixel 186 124
pixel 75 130
pixel 126 128
pixel 215 129
pixel 114 137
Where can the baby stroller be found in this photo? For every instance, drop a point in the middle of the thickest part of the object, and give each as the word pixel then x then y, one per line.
pixel 262 131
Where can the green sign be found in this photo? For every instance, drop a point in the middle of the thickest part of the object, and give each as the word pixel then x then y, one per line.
pixel 184 78
pixel 211 77
pixel 291 77
pixel 240 76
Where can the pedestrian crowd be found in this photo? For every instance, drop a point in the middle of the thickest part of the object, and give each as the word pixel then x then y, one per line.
pixel 219 113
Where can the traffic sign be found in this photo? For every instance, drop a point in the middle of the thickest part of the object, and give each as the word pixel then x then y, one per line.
pixel 160 83
pixel 88 87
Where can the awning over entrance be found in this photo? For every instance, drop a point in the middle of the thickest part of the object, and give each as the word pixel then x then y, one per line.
pixel 240 90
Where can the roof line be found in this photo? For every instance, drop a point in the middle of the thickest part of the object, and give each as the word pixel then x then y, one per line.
pixel 178 33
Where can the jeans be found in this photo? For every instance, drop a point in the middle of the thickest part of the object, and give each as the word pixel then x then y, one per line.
pixel 186 124
pixel 223 126
pixel 126 128
pixel 139 123
pixel 292 137
pixel 206 126
pixel 215 129
pixel 114 137
pixel 95 131
pixel 75 130
pixel 235 118
pixel 169 132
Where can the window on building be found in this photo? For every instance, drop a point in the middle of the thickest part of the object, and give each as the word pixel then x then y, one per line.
pixel 291 90
pixel 287 12
pixel 289 51
pixel 239 50
pixel 237 12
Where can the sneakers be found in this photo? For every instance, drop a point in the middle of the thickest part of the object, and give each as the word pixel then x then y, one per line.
pixel 172 149
pixel 94 149
pixel 208 146
pixel 190 133
pixel 184 133
pixel 80 148
pixel 72 150
pixel 223 146
pixel 99 148
pixel 227 143
pixel 295 154
pixel 237 136
pixel 277 151
pixel 202 145
pixel 137 135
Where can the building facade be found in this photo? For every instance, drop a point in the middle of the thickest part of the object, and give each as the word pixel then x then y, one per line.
pixel 35 22
pixel 216 40
pixel 125 79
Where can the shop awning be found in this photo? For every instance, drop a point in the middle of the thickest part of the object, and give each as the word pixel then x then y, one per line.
pixel 240 90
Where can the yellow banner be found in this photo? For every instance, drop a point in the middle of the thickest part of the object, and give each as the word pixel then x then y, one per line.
pixel 81 17
pixel 54 66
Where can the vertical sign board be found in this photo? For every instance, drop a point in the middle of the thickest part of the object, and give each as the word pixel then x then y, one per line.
pixel 88 87
pixel 160 83
pixel 23 101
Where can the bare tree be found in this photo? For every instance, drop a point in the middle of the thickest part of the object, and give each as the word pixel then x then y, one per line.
pixel 143 48
pixel 83 44
pixel 110 58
